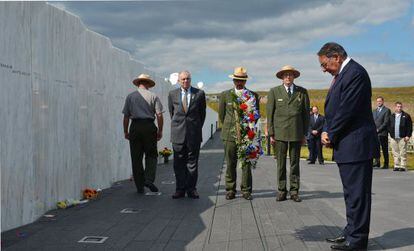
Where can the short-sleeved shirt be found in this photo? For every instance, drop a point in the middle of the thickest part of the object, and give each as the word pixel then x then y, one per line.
pixel 142 104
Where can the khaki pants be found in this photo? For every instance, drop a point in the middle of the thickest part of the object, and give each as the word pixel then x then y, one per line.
pixel 399 152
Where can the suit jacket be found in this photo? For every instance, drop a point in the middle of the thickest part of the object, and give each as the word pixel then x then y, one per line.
pixel 406 125
pixel 187 125
pixel 316 125
pixel 348 116
pixel 226 114
pixel 288 119
pixel 381 120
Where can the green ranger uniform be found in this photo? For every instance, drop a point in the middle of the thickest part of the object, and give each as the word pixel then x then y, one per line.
pixel 228 135
pixel 287 122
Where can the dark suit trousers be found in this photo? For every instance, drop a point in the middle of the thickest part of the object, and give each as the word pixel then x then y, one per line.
pixel 357 183
pixel 143 141
pixel 384 146
pixel 310 157
pixel 186 165
pixel 316 148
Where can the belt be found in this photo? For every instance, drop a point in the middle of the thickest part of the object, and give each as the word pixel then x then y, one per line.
pixel 143 120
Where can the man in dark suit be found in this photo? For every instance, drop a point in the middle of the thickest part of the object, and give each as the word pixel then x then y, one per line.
pixel 381 117
pixel 316 122
pixel 308 140
pixel 187 107
pixel 350 129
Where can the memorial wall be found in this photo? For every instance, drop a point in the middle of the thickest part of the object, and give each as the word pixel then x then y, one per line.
pixel 62 92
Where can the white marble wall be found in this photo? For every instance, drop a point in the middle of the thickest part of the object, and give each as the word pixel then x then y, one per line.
pixel 62 92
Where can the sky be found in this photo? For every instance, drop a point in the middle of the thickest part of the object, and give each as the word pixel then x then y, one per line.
pixel 211 38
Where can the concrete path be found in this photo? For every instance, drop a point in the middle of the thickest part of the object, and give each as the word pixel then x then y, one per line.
pixel 158 222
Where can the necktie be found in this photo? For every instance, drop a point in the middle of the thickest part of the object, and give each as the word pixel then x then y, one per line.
pixel 185 101
pixel 333 81
pixel 289 93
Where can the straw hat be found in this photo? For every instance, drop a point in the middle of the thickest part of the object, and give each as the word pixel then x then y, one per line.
pixel 144 78
pixel 239 73
pixel 287 68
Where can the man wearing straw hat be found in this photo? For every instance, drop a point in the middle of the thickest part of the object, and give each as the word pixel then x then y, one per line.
pixel 228 135
pixel 142 107
pixel 288 121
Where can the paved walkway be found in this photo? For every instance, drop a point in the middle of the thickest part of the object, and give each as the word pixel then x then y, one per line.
pixel 213 223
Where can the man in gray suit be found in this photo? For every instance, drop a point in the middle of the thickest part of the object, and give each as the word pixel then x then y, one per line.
pixel 381 117
pixel 187 106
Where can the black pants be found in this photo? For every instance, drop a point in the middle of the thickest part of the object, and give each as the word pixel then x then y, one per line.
pixel 357 184
pixel 316 148
pixel 143 141
pixel 186 166
pixel 384 146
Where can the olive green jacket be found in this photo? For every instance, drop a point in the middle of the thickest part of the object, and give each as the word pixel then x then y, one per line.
pixel 287 119
pixel 226 114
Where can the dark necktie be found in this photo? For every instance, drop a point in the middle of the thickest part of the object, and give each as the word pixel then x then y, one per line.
pixel 185 101
pixel 289 93
pixel 333 81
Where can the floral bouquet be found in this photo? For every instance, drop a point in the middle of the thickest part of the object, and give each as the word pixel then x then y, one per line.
pixel 165 152
pixel 248 144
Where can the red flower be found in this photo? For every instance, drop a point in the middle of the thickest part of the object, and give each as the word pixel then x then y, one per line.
pixel 253 155
pixel 243 106
pixel 251 117
pixel 250 134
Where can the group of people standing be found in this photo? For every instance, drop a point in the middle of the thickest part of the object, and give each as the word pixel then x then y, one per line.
pixel 348 128
pixel 399 127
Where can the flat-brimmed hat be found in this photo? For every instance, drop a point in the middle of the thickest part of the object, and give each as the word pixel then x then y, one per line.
pixel 239 73
pixel 287 68
pixel 144 78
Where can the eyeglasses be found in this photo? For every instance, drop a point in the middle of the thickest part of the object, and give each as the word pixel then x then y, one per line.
pixel 324 64
pixel 186 79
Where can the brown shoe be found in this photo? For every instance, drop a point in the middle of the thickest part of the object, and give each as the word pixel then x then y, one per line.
pixel 247 196
pixel 295 198
pixel 230 195
pixel 178 195
pixel 193 195
pixel 281 196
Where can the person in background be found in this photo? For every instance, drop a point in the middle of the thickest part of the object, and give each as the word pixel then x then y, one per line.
pixel 400 128
pixel 381 116
pixel 316 122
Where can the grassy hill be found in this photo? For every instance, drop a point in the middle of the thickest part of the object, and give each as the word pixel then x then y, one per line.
pixel 317 97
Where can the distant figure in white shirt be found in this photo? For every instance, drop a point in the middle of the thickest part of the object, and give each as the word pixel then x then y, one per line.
pixel 400 128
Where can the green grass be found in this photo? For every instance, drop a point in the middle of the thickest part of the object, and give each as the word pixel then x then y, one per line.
pixel 317 97
pixel 327 155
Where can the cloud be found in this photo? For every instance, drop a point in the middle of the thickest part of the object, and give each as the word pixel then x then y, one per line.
pixel 262 36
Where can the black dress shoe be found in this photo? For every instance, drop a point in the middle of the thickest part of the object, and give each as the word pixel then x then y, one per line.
pixel 151 187
pixel 193 194
pixel 295 198
pixel 178 195
pixel 346 246
pixel 140 190
pixel 311 162
pixel 230 195
pixel 338 239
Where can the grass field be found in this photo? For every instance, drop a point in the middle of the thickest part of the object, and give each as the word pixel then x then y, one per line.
pixel 327 155
pixel 391 95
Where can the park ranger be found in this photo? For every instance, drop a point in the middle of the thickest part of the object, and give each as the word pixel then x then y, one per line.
pixel 287 123
pixel 228 135
pixel 141 107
